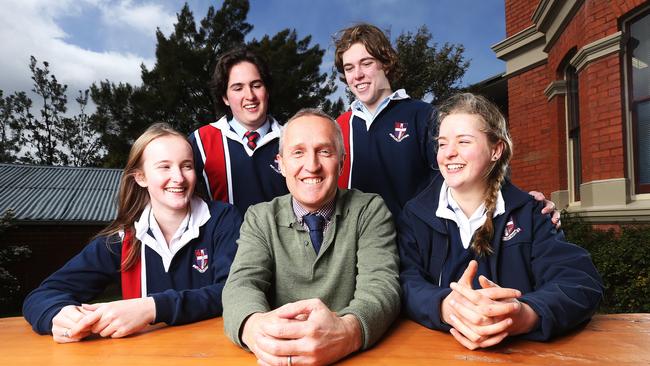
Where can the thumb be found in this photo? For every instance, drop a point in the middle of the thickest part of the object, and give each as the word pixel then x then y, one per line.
pixel 469 274
pixel 486 283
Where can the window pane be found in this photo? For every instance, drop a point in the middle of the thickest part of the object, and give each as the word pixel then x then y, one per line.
pixel 640 44
pixel 573 122
pixel 573 98
pixel 643 141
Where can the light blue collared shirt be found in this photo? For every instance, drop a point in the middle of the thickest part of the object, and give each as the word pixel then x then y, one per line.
pixel 359 109
pixel 240 130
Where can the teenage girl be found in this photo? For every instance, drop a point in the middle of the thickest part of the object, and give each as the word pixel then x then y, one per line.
pixel 479 259
pixel 170 250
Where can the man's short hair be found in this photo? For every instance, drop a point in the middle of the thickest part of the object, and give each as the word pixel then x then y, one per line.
pixel 338 138
pixel 376 43
pixel 219 82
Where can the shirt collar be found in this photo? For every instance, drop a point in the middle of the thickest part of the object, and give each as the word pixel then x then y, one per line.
pixel 449 209
pixel 360 109
pixel 149 233
pixel 326 210
pixel 446 204
pixel 240 130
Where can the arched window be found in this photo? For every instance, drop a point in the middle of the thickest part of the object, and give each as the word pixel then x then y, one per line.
pixel 638 60
pixel 573 131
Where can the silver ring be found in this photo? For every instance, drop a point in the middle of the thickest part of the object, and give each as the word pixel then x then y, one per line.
pixel 289 361
pixel 66 334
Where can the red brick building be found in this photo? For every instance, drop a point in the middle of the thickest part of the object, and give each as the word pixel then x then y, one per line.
pixel 579 103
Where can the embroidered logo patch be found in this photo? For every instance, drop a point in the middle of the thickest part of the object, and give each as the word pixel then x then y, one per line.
pixel 511 230
pixel 276 165
pixel 399 133
pixel 201 260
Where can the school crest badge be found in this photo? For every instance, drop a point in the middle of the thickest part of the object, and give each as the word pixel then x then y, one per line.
pixel 399 133
pixel 511 229
pixel 200 260
pixel 275 165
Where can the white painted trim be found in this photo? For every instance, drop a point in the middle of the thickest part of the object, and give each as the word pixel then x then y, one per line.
pixel 597 49
pixel 555 88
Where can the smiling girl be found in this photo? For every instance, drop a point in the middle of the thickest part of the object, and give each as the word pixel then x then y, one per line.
pixel 471 221
pixel 170 250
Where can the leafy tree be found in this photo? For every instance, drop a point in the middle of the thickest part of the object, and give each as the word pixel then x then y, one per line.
pixel 176 89
pixel 295 67
pixel 53 138
pixel 13 112
pixel 9 285
pixel 117 119
pixel 79 137
pixel 41 136
pixel 426 69
pixel 333 109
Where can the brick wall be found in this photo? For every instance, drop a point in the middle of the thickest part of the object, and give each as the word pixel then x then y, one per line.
pixel 519 15
pixel 601 120
pixel 601 15
pixel 536 145
pixel 538 125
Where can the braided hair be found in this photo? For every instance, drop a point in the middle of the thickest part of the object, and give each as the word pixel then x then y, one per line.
pixel 494 126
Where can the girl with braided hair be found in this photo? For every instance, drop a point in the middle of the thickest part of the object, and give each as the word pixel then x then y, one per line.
pixel 478 258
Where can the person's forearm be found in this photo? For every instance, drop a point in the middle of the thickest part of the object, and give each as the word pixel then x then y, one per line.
pixel 353 330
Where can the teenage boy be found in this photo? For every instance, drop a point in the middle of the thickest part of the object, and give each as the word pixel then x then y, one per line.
pixel 235 157
pixel 388 137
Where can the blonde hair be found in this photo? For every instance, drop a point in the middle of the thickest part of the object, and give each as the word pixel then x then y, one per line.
pixel 494 126
pixel 132 198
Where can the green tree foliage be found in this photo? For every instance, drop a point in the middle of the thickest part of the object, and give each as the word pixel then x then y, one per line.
pixel 52 138
pixel 117 118
pixel 427 70
pixel 41 136
pixel 176 89
pixel 295 67
pixel 9 284
pixel 14 110
pixel 334 109
pixel 622 259
pixel 79 137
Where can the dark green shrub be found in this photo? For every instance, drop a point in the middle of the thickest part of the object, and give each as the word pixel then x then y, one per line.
pixel 622 259
pixel 9 284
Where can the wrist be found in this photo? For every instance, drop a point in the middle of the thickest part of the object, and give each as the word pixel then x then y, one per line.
pixel 445 311
pixel 246 337
pixel 151 306
pixel 527 320
pixel 353 331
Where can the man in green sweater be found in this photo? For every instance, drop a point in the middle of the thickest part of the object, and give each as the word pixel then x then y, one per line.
pixel 315 277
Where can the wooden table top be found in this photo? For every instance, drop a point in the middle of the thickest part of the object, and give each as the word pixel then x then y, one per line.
pixel 614 339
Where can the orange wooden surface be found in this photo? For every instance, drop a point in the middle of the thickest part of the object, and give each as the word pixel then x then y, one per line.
pixel 615 339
